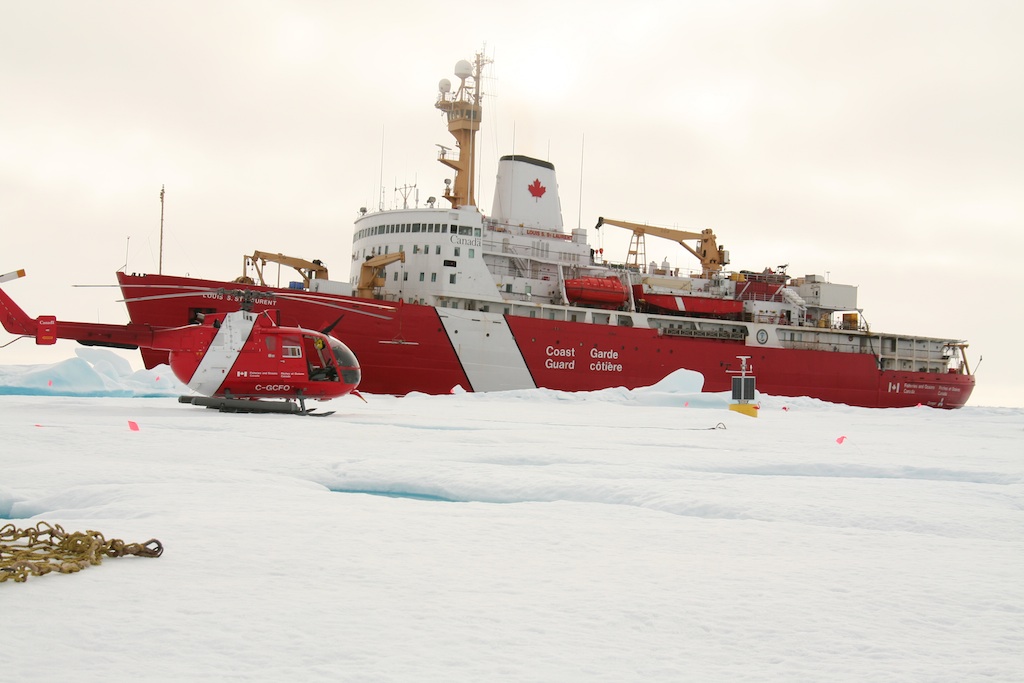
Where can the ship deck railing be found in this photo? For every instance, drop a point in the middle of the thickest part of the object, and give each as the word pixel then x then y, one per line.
pixel 756 296
pixel 704 334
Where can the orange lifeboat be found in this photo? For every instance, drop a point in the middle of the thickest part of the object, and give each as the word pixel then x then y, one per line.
pixel 602 292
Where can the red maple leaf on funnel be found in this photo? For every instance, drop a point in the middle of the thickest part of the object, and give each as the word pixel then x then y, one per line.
pixel 536 189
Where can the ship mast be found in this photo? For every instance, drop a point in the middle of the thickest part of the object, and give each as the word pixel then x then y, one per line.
pixel 463 109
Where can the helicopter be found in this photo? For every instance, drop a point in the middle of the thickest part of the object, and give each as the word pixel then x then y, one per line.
pixel 238 361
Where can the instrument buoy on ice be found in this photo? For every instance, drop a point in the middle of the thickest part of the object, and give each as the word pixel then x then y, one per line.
pixel 743 389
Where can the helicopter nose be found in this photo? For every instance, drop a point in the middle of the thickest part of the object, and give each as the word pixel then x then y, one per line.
pixel 351 376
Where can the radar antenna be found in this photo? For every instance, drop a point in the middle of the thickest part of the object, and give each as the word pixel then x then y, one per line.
pixel 463 110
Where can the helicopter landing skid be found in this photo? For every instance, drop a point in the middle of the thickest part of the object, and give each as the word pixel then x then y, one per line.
pixel 245 405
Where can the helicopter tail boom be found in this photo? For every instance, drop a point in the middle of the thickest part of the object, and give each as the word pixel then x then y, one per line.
pixel 47 329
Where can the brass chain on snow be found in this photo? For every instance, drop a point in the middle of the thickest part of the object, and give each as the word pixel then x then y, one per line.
pixel 47 548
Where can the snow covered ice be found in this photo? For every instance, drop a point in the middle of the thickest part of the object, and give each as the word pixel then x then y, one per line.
pixel 521 536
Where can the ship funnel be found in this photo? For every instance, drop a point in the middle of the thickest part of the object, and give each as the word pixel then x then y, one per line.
pixel 527 194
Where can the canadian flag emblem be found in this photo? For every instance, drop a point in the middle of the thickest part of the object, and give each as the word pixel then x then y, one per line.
pixel 536 189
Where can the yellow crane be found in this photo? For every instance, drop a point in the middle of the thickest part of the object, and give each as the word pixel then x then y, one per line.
pixel 711 256
pixel 371 273
pixel 309 270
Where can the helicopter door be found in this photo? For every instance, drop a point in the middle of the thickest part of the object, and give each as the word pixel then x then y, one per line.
pixel 320 360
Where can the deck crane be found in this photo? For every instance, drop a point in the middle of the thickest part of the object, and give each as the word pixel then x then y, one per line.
pixel 711 256
pixel 371 273
pixel 309 270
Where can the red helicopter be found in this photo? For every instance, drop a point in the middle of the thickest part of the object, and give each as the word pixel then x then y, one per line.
pixel 239 361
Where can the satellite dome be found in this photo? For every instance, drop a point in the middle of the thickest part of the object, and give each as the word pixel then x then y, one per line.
pixel 463 69
pixel 444 86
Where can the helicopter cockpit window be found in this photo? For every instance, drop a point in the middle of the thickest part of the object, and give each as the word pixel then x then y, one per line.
pixel 347 364
pixel 342 354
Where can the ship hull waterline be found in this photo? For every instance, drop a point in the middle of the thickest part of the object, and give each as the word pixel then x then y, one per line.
pixel 420 348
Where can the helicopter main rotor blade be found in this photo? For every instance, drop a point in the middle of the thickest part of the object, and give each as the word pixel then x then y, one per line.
pixel 284 294
pixel 329 297
pixel 268 295
pixel 322 301
pixel 237 293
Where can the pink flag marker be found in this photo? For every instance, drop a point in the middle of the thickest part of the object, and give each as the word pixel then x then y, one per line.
pixel 133 426
pixel 840 440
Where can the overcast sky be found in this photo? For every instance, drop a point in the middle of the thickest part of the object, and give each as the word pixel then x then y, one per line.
pixel 880 143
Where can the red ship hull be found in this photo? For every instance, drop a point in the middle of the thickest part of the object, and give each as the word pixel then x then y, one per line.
pixel 425 349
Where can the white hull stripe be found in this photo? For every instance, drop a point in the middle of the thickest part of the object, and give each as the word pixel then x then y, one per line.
pixel 487 350
pixel 223 353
